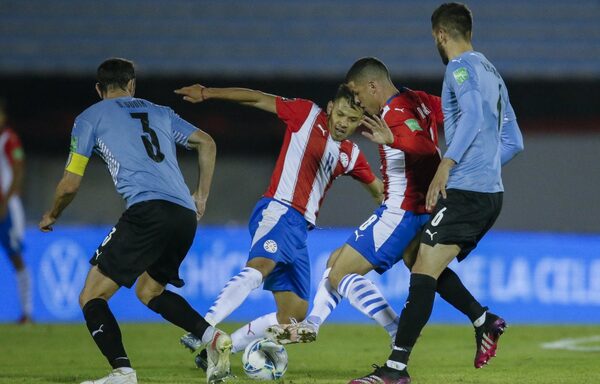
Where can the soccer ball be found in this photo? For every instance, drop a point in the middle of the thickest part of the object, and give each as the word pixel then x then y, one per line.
pixel 264 359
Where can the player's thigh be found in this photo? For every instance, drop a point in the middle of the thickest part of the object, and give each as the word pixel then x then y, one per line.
pixel 97 285
pixel 262 264
pixel 348 261
pixel 333 257
pixel 432 261
pixel 290 306
pixel 411 251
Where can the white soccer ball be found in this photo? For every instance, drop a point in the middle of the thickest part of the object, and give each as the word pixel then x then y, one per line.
pixel 264 359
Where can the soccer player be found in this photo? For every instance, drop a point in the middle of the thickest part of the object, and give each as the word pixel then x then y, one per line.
pixel 12 217
pixel 314 153
pixel 407 138
pixel 482 134
pixel 136 139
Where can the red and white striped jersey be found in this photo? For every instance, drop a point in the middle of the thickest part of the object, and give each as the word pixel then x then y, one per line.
pixel 410 162
pixel 310 159
pixel 10 151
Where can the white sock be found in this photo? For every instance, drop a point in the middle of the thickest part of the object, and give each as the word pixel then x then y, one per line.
pixel 24 287
pixel 208 335
pixel 480 320
pixel 233 294
pixel 325 301
pixel 252 331
pixel 124 370
pixel 366 297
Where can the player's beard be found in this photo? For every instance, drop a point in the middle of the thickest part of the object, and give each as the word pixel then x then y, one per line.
pixel 443 54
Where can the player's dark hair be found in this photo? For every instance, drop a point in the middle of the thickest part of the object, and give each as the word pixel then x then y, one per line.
pixel 115 72
pixel 455 18
pixel 344 92
pixel 367 67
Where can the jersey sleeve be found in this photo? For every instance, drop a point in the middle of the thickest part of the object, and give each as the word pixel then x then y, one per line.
pixel 82 145
pixel 293 111
pixel 461 77
pixel 435 102
pixel 409 135
pixel 359 167
pixel 181 129
pixel 511 139
pixel 14 149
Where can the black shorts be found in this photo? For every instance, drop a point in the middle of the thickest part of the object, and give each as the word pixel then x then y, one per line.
pixel 462 218
pixel 152 236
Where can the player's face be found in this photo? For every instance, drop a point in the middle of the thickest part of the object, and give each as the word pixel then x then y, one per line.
pixel 438 38
pixel 343 119
pixel 365 97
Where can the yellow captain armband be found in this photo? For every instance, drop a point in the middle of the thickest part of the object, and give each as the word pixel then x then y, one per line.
pixel 76 163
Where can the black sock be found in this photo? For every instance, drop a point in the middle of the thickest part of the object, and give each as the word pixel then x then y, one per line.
pixel 414 316
pixel 454 292
pixel 178 311
pixel 106 332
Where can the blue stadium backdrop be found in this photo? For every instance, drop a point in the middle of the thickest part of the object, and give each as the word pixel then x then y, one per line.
pixel 527 277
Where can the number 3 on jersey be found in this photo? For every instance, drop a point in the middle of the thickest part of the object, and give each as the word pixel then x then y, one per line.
pixel 152 145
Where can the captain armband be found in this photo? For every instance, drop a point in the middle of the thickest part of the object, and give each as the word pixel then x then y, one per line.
pixel 76 163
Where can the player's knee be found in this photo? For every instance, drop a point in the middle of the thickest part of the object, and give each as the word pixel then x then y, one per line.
pixel 17 262
pixel 262 264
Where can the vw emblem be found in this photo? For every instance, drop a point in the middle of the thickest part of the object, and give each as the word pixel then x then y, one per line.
pixel 63 269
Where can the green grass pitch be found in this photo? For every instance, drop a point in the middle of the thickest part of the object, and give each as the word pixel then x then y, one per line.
pixel 444 355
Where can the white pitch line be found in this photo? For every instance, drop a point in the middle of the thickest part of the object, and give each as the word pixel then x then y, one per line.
pixel 575 344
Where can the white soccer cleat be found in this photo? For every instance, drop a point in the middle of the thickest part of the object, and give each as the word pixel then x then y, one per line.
pixel 218 351
pixel 303 332
pixel 117 376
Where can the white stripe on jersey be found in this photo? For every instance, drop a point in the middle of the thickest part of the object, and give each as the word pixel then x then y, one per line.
pixel 329 161
pixel 6 172
pixel 293 158
pixel 353 158
pixel 395 172
pixel 270 217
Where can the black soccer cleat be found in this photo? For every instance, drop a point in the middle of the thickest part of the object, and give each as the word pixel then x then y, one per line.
pixel 201 360
pixel 486 338
pixel 384 375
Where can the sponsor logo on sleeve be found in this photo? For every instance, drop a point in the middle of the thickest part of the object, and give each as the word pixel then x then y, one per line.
pixel 460 75
pixel 413 125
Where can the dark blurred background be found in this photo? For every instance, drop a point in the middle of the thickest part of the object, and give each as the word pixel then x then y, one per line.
pixel 547 51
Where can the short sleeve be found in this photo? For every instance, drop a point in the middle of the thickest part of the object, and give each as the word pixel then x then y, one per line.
pixel 13 148
pixel 181 129
pixel 293 111
pixel 359 167
pixel 82 138
pixel 461 77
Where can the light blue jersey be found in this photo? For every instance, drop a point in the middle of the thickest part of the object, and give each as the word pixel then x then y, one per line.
pixel 479 123
pixel 136 139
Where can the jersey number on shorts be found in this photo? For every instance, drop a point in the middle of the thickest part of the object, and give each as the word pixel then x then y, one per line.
pixel 369 221
pixel 438 217
pixel 152 145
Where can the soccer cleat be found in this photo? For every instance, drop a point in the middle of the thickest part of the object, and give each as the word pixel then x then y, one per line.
pixel 117 376
pixel 217 353
pixel 384 375
pixel 486 338
pixel 191 342
pixel 201 360
pixel 303 332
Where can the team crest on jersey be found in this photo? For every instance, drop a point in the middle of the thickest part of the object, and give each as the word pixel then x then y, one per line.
pixel 344 160
pixel 270 246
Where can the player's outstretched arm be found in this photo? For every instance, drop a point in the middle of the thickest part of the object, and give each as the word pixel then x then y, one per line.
pixel 198 93
pixel 207 152
pixel 511 139
pixel 65 193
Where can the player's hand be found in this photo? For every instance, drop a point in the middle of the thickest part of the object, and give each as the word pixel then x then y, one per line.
pixel 193 93
pixel 380 132
pixel 200 205
pixel 438 184
pixel 47 221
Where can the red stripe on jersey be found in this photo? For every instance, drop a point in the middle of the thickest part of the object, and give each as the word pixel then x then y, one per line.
pixel 310 164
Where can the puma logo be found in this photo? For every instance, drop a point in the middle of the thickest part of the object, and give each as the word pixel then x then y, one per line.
pixel 99 330
pixel 322 129
pixel 98 253
pixel 399 109
pixel 430 234
pixel 358 235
